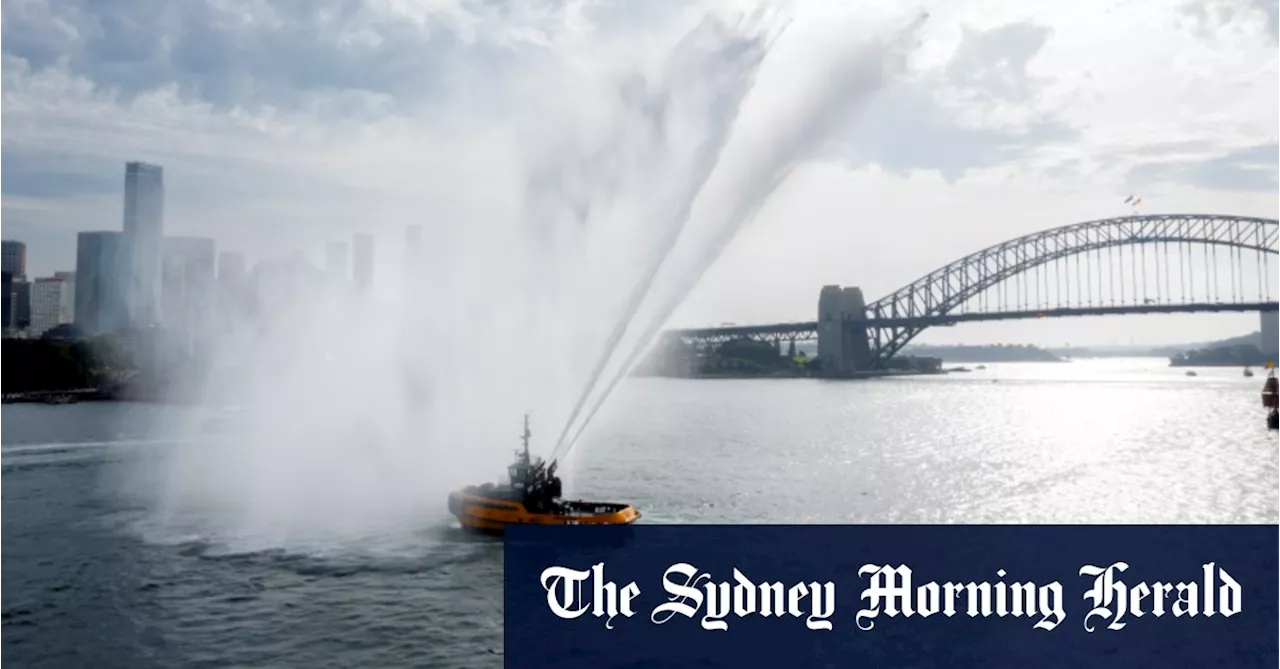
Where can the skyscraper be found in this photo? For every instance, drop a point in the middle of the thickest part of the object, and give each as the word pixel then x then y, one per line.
pixel 21 304
pixel 13 258
pixel 7 309
pixel 362 261
pixel 103 270
pixel 144 227
pixel 335 262
pixel 68 295
pixel 187 297
pixel 49 307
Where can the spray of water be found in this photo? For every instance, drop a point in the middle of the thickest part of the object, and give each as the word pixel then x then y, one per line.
pixel 756 165
pixel 339 415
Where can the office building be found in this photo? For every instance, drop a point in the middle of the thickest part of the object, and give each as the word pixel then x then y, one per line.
pixel 69 293
pixel 7 310
pixel 187 297
pixel 13 259
pixel 362 261
pixel 21 318
pixel 335 263
pixel 49 304
pixel 103 271
pixel 144 228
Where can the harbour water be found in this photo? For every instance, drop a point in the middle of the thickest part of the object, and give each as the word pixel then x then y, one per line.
pixel 93 575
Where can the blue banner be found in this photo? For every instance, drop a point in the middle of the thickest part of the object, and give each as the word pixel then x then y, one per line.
pixel 892 596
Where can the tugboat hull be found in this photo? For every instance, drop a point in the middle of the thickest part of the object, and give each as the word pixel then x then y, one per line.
pixel 492 515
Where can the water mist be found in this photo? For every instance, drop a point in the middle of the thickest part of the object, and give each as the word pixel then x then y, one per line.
pixel 336 416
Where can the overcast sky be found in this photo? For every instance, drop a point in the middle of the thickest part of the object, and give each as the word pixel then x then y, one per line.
pixel 284 125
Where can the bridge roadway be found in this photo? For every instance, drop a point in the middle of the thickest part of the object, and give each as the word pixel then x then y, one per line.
pixel 808 330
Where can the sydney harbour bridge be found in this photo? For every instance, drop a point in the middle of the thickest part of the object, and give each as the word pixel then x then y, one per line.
pixel 1157 264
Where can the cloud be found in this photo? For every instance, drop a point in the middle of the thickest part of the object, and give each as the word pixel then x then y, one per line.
pixel 994 62
pixel 1272 12
pixel 1252 169
pixel 239 53
pixel 941 119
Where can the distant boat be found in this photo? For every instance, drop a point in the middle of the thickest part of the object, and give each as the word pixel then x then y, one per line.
pixel 1190 373
pixel 1248 372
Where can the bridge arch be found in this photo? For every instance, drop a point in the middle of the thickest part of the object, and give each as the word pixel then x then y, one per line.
pixel 905 312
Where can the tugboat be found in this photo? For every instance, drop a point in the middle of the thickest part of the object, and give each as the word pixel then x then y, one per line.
pixel 531 496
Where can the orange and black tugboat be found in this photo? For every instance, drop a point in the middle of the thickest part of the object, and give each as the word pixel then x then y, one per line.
pixel 1271 398
pixel 532 496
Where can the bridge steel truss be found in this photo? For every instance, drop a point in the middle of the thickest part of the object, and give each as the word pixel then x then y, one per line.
pixel 935 295
pixel 935 298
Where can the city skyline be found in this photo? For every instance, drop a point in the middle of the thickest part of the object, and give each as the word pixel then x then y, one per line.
pixel 137 276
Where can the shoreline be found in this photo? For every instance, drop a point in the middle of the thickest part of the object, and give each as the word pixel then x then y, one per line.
pixel 854 376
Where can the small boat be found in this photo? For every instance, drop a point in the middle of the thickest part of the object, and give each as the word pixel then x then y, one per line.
pixel 531 496
pixel 1248 372
pixel 1191 372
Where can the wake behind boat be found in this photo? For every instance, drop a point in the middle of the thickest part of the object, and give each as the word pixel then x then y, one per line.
pixel 531 496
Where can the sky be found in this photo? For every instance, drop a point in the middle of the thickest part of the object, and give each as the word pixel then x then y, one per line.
pixel 286 125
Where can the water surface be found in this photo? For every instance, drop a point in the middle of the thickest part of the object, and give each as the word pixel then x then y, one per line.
pixel 95 575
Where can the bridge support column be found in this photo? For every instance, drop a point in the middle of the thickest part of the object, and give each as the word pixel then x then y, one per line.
pixel 1270 331
pixel 842 331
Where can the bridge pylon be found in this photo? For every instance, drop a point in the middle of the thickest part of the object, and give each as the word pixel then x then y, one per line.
pixel 842 331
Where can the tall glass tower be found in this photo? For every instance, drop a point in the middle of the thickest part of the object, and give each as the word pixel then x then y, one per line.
pixel 144 228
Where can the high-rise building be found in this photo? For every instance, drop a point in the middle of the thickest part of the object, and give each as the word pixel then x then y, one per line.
pixel 13 258
pixel 144 227
pixel 187 299
pixel 103 272
pixel 362 261
pixel 336 260
pixel 68 294
pixel 7 310
pixel 21 304
pixel 49 307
